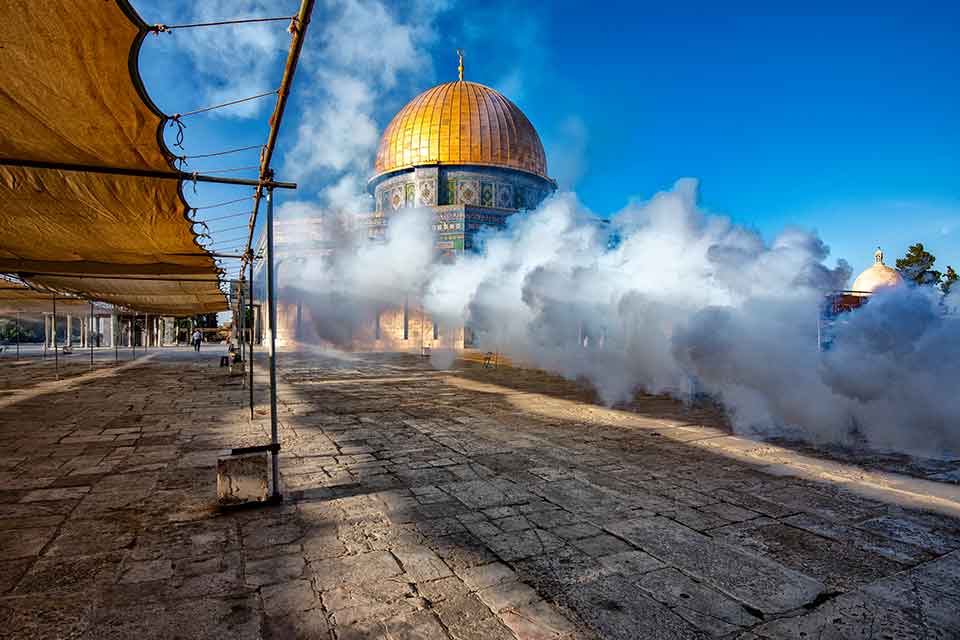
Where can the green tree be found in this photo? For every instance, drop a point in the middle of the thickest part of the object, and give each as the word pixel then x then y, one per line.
pixel 917 266
pixel 948 279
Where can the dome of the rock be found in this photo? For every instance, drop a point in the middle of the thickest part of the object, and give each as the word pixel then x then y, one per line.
pixel 878 276
pixel 461 123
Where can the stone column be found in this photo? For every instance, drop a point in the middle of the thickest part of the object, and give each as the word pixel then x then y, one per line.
pixel 113 328
pixel 69 337
pixel 46 331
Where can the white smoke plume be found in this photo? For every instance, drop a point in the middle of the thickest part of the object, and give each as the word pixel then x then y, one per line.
pixel 668 299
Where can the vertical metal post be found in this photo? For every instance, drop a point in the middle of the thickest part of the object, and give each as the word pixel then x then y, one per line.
pixel 46 336
pixel 114 330
pixel 133 335
pixel 56 358
pixel 272 311
pixel 252 338
pixel 89 341
pixel 240 313
pixel 18 335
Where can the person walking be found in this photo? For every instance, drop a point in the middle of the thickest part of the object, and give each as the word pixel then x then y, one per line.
pixel 197 339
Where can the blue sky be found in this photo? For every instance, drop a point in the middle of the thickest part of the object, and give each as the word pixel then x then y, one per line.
pixel 838 117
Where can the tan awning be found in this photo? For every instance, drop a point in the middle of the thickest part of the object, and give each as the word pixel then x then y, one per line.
pixel 15 297
pixel 71 94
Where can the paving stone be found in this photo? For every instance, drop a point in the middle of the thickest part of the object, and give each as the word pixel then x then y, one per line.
pixel 301 625
pixel 832 507
pixel 729 512
pixel 553 573
pixel 366 594
pixel 614 609
pixel 513 523
pixel 630 563
pixel 524 544
pixel 602 545
pixel 576 531
pixel 763 584
pixel 462 612
pixel 443 589
pixel 11 571
pixel 191 619
pixel 366 567
pixel 274 570
pixel 146 571
pixel 49 495
pixel 507 594
pixel 491 628
pixel 476 578
pixel 288 598
pixel 74 574
pixel 462 550
pixel 537 621
pixel 21 543
pixel 839 565
pixel 420 564
pixel 863 539
pixel 913 532
pixel 703 607
pixel 420 625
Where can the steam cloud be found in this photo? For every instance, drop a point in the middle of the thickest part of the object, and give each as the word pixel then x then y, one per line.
pixel 668 299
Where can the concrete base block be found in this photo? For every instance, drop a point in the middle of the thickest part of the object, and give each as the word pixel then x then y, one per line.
pixel 236 369
pixel 243 479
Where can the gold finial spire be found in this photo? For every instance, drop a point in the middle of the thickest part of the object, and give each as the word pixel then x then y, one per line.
pixel 460 67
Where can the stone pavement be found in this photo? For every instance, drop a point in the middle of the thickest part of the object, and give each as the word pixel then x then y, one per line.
pixel 468 504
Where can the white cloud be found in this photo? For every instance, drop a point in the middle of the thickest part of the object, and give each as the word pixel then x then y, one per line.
pixel 361 49
pixel 231 61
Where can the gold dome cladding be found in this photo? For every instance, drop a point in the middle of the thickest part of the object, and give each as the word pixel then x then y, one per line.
pixel 461 123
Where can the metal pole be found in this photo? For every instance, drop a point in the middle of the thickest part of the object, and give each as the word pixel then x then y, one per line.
pixel 133 335
pixel 56 357
pixel 18 335
pixel 272 311
pixel 114 330
pixel 147 173
pixel 252 338
pixel 240 313
pixel 89 341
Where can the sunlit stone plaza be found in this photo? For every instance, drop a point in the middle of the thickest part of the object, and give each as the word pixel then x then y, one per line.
pixel 476 502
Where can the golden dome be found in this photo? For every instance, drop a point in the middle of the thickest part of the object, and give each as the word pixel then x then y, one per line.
pixel 461 123
pixel 876 277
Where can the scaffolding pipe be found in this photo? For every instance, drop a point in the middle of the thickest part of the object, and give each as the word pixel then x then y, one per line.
pixel 56 357
pixel 272 311
pixel 286 83
pixel 252 338
pixel 89 341
pixel 145 173
pixel 240 313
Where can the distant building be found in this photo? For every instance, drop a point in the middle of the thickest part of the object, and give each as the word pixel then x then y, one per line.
pixel 468 155
pixel 877 276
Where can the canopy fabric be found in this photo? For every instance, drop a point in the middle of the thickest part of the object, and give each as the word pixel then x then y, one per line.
pixel 15 297
pixel 72 94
